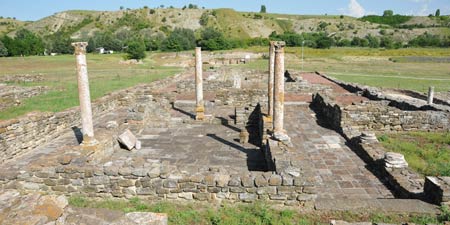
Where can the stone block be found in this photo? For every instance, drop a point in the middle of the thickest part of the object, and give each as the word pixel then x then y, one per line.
pixel 247 197
pixel 186 195
pixel 126 182
pixel 169 183
pixel 202 196
pixel 234 181
pixel 247 181
pixel 209 180
pixel 261 181
pixel 127 140
pixel 275 180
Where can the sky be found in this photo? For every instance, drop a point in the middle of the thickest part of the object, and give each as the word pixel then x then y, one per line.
pixel 32 10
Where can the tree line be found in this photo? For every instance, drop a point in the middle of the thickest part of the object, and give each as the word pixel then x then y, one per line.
pixel 27 43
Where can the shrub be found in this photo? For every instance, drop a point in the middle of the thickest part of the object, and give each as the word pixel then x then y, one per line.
pixel 136 50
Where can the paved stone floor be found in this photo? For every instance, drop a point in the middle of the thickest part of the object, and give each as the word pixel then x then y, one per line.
pixel 340 172
pixel 193 146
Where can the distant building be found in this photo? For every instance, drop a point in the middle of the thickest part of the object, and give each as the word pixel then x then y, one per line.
pixel 100 50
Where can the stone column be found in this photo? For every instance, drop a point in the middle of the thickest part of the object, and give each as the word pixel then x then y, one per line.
pixel 430 95
pixel 278 110
pixel 83 94
pixel 200 105
pixel 271 78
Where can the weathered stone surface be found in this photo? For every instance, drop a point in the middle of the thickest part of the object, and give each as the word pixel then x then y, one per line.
pixel 395 160
pixel 127 139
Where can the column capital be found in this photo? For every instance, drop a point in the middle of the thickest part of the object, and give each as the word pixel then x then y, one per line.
pixel 80 47
pixel 279 45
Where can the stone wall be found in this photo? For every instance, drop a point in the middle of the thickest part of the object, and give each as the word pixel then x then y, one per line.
pixel 377 116
pixel 22 134
pixel 159 181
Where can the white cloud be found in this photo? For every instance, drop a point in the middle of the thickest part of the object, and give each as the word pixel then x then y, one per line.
pixel 354 9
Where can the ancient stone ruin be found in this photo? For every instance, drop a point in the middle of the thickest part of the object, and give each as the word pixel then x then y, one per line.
pixel 230 135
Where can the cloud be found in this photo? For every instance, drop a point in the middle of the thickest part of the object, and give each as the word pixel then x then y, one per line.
pixel 354 9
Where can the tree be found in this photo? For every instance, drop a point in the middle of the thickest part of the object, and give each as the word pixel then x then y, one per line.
pixel 26 43
pixel 438 13
pixel 213 39
pixel 121 7
pixel 179 40
pixel 3 50
pixel 136 50
pixel 388 13
pixel 263 9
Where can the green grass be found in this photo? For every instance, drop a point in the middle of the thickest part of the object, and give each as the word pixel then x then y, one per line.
pixel 370 66
pixel 105 75
pixel 426 153
pixel 255 213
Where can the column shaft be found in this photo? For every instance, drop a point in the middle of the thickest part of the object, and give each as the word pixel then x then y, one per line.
pixel 278 110
pixel 83 93
pixel 430 95
pixel 200 105
pixel 271 78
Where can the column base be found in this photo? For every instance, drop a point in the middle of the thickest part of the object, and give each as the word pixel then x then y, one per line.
pixel 89 143
pixel 200 113
pixel 282 137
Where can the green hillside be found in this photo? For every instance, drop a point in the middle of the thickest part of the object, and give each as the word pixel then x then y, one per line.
pixel 83 24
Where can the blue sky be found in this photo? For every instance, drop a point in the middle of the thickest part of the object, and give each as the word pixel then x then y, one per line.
pixel 34 10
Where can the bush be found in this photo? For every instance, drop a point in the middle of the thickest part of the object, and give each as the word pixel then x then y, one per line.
pixel 373 42
pixel 3 50
pixel 136 50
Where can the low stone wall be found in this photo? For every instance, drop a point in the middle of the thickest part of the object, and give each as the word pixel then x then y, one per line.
pixel 159 181
pixel 20 135
pixel 241 98
pixel 380 116
pixel 189 85
pixel 377 116
pixel 12 95
pixel 375 94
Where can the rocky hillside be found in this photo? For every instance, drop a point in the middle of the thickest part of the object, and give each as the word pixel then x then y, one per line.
pixel 82 24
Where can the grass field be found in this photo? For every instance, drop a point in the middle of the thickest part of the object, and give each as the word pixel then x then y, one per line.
pixel 426 153
pixel 59 72
pixel 371 67
pixel 249 214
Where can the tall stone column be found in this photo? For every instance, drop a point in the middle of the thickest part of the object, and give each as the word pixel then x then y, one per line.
pixel 84 94
pixel 200 104
pixel 271 78
pixel 278 110
pixel 430 95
